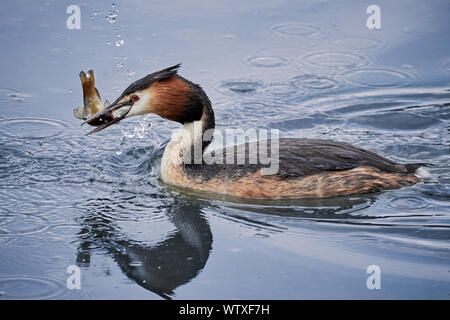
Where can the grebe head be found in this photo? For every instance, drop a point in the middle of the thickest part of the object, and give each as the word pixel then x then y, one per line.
pixel 163 93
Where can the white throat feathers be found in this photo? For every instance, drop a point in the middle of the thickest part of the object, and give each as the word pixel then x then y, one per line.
pixel 186 146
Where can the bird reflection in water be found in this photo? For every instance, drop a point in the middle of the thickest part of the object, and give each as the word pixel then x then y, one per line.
pixel 168 264
pixel 162 267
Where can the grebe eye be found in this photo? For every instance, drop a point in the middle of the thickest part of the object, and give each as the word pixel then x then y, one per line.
pixel 134 98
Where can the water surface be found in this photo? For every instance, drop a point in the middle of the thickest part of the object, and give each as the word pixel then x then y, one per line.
pixel 310 70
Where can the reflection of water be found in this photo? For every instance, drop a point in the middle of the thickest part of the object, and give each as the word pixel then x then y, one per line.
pixel 161 266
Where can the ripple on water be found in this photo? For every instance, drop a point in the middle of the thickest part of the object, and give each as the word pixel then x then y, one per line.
pixel 5 217
pixel 315 82
pixel 296 30
pixel 31 128
pixel 396 121
pixel 239 87
pixel 378 78
pixel 407 202
pixel 13 95
pixel 81 239
pixel 247 112
pixel 43 177
pixel 6 240
pixel 67 231
pixel 294 124
pixel 361 43
pixel 335 60
pixel 445 65
pixel 258 108
pixel 266 61
pixel 283 91
pixel 30 287
pixel 286 53
pixel 13 160
pixel 22 224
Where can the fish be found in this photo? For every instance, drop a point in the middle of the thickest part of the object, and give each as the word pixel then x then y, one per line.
pixel 91 98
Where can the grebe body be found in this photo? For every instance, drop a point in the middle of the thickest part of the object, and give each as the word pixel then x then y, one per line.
pixel 306 167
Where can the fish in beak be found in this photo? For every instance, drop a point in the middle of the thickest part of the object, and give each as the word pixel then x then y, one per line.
pixel 110 115
pixel 162 92
pixel 91 98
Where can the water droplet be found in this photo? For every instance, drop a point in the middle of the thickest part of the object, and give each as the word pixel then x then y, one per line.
pixel 112 15
pixel 119 151
pixel 136 264
pixel 120 43
pixel 95 14
pixel 140 132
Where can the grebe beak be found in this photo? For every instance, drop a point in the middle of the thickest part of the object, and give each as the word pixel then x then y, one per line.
pixel 106 117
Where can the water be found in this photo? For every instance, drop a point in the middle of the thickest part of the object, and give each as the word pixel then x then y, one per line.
pixel 310 70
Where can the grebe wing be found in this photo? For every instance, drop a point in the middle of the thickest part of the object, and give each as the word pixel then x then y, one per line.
pixel 303 157
pixel 300 158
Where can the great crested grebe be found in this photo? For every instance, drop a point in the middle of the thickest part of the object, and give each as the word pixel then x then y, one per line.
pixel 306 167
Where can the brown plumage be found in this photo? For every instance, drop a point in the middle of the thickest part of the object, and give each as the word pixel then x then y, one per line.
pixel 325 184
pixel 307 168
pixel 176 93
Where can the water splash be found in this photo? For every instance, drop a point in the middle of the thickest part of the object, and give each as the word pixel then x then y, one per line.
pixel 120 42
pixel 112 14
pixel 94 14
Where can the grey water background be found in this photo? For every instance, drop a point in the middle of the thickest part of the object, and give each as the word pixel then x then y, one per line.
pixel 309 69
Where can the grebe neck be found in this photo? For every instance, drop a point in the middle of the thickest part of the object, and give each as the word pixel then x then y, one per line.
pixel 188 143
